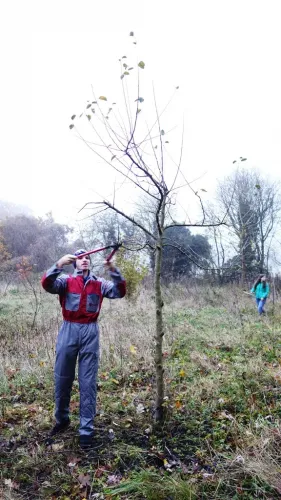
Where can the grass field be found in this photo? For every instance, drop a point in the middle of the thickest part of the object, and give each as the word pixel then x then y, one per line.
pixel 221 438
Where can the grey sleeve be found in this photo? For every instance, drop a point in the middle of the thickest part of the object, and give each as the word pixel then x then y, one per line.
pixel 115 289
pixel 52 282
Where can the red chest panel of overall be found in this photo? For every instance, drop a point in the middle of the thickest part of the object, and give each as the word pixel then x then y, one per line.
pixel 81 302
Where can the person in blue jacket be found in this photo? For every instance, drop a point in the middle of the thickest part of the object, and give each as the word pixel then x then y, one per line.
pixel 261 291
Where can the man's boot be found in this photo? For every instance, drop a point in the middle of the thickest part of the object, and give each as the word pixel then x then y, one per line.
pixel 86 442
pixel 60 427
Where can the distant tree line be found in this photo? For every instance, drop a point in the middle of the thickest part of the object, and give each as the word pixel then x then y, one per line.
pixel 41 240
pixel 234 252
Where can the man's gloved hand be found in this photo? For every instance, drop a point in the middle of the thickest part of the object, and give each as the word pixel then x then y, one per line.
pixel 65 260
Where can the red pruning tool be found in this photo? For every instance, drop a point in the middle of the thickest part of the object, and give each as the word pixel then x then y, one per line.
pixel 109 257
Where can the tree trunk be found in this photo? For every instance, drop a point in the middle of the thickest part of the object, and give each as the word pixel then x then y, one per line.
pixel 262 266
pixel 159 413
pixel 160 386
pixel 243 265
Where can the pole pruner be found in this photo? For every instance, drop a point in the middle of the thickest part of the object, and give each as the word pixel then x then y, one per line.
pixel 115 247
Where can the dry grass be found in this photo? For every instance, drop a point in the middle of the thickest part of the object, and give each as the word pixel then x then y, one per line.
pixel 222 369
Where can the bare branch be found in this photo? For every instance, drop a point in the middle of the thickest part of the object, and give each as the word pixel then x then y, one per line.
pixel 160 137
pixel 183 252
pixel 179 165
pixel 123 214
pixel 106 124
pixel 150 176
pixel 136 115
pixel 93 215
pixel 115 168
pixel 126 103
pixel 163 111
pixel 196 224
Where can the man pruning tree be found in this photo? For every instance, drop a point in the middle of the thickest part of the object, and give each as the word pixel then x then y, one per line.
pixel 81 296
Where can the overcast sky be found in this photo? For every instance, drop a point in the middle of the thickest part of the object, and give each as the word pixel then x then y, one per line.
pixel 224 56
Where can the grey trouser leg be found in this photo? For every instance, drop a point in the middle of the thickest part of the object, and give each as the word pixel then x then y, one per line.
pixel 88 369
pixel 66 355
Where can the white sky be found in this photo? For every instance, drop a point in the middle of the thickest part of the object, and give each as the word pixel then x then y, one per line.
pixel 224 55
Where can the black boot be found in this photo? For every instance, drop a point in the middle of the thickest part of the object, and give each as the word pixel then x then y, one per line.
pixel 86 442
pixel 61 427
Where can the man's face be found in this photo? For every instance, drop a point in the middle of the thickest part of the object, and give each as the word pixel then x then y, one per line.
pixel 83 263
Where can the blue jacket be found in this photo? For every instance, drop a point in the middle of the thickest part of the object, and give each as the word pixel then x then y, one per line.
pixel 260 291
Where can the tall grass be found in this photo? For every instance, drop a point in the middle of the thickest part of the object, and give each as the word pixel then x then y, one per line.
pixel 222 372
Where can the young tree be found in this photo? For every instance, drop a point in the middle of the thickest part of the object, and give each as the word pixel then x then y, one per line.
pixel 140 154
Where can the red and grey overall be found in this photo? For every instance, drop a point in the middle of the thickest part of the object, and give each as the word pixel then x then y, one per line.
pixel 81 299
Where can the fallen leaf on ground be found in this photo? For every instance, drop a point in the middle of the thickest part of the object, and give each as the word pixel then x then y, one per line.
pixel 84 479
pixel 73 461
pixel 113 480
pixel 11 484
pixel 57 446
pixel 140 408
pixel 133 349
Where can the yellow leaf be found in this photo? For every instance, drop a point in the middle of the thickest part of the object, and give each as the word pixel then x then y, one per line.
pixel 182 373
pixel 42 363
pixel 115 381
pixel 103 98
pixel 32 355
pixel 133 350
pixel 57 446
